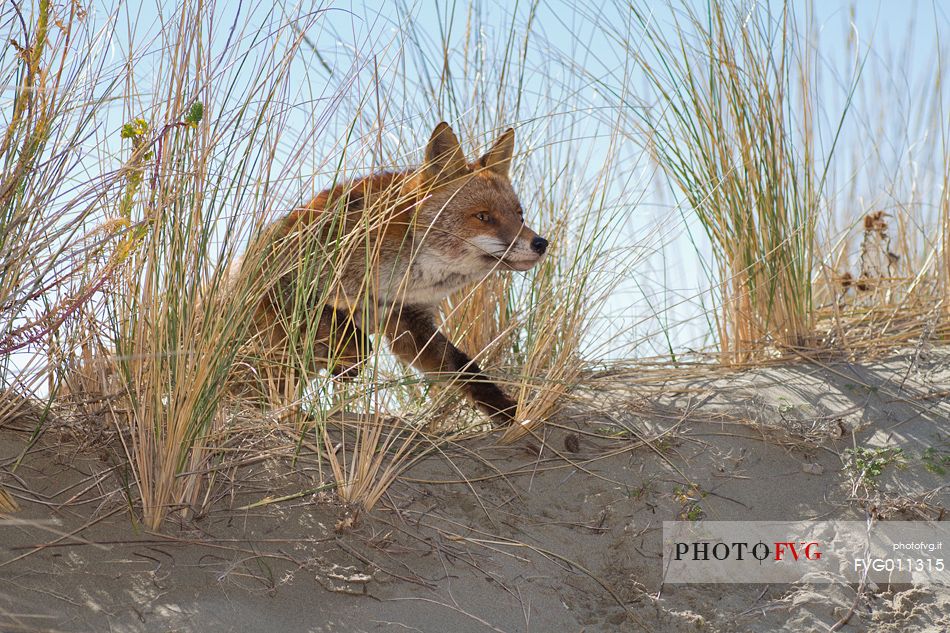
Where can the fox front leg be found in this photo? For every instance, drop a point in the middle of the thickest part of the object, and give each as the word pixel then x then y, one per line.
pixel 414 337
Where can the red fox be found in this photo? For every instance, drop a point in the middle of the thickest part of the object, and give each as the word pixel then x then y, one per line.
pixel 381 252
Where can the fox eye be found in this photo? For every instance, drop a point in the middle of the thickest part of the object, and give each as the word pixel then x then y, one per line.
pixel 483 217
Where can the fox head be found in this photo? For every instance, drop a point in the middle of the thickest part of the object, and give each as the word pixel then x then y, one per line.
pixel 470 214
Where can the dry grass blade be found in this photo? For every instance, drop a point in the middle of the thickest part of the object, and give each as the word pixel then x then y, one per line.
pixel 7 503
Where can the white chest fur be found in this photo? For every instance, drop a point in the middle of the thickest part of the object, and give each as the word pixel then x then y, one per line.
pixel 431 279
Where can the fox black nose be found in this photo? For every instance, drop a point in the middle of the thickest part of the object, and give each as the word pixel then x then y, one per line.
pixel 539 245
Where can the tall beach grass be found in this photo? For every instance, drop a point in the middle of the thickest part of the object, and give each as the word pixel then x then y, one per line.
pixel 143 159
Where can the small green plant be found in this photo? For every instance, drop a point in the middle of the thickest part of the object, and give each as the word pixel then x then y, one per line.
pixel 641 491
pixel 865 465
pixel 784 406
pixel 693 512
pixel 136 131
pixel 195 113
pixel 935 460
pixel 690 496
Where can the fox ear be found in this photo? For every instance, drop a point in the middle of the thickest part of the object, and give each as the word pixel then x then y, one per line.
pixel 444 157
pixel 498 158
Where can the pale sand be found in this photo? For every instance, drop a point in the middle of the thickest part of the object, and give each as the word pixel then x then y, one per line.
pixel 540 539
